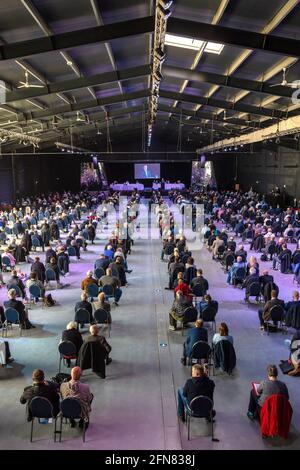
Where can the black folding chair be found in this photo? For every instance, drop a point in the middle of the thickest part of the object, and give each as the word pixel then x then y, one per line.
pixel 189 315
pixel 208 315
pixel 101 317
pixel 70 408
pixel 99 272
pixel 82 317
pixel 277 314
pixel 11 318
pixel 67 351
pixel 254 291
pixel 41 408
pixel 202 351
pixel 200 407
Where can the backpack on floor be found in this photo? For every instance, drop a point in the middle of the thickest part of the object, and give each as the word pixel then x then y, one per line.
pixel 49 301
pixel 264 257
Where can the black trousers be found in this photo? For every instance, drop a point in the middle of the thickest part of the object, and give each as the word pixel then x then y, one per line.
pixel 254 406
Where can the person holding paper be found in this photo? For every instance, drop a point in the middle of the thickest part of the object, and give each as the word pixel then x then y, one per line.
pixel 260 392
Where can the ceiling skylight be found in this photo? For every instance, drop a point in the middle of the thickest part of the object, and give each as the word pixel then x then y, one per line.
pixel 194 44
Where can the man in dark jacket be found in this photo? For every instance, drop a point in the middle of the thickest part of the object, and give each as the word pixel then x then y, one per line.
pixel 94 353
pixel 200 280
pixel 85 304
pixel 16 281
pixel 39 268
pixel 253 277
pixel 198 333
pixel 199 384
pixel 40 388
pixel 264 314
pixel 102 262
pixel 12 302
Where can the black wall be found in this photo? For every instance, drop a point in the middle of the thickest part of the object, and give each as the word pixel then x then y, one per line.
pixel 262 170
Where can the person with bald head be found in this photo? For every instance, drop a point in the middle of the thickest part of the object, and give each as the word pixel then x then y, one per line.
pixel 76 389
pixel 94 353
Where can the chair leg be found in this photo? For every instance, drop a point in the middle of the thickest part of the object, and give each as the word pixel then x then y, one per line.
pixel 59 367
pixel 60 428
pixel 212 426
pixel 188 426
pixel 31 433
pixel 83 433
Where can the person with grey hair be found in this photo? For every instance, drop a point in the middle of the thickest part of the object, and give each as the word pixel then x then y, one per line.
pixel 71 333
pixel 12 302
pixel 250 279
pixel 85 304
pixel 89 279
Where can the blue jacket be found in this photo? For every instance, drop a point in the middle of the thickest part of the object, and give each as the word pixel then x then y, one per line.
pixel 194 335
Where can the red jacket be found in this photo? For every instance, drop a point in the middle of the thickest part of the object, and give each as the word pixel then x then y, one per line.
pixel 275 416
pixel 185 290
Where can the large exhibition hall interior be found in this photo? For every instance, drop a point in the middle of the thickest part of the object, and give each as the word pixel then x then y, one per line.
pixel 149 225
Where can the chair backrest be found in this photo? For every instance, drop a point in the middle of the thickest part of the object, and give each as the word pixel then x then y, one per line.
pixel 201 407
pixel 6 261
pixel 208 314
pixel 67 348
pixel 99 272
pixel 254 289
pixel 290 233
pixel 11 315
pixel 190 314
pixel 296 259
pixel 221 249
pixel 240 273
pixel 198 290
pixel 201 350
pixel 93 290
pixel 277 313
pixel 108 289
pixel 41 407
pixel 115 272
pixel 82 316
pixel 229 259
pixel 50 274
pixel 101 316
pixel 79 241
pixel 279 424
pixel 35 242
pixel 15 288
pixel 71 251
pixel 169 249
pixel 35 291
pixel 71 408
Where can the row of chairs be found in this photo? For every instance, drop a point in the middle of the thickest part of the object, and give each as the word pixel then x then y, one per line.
pixel 70 409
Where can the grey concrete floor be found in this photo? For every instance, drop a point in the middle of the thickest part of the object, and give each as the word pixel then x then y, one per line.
pixel 135 406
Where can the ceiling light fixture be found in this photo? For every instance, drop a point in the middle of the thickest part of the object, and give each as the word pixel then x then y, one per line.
pixel 193 44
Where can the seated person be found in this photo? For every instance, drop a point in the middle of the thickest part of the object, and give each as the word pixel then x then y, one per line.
pixel 241 252
pixel 103 304
pixel 33 281
pixel 215 246
pixel 8 254
pixel 39 268
pixel 12 302
pixel 265 279
pixel 40 388
pixel 118 266
pixel 232 271
pixel 264 313
pixel 71 333
pixel 180 304
pixel 253 277
pixel 174 268
pixel 53 265
pixel 95 337
pixel 271 386
pixel 89 279
pixel 85 304
pixel 199 384
pixel 102 262
pixel 207 302
pixel 295 302
pixel 252 264
pixel 198 333
pixel 63 261
pixel 231 244
pixel 76 389
pixel 200 280
pixel 16 281
pixel 278 258
pixel 109 279
pixel 184 288
pixel 222 335
pixel 76 247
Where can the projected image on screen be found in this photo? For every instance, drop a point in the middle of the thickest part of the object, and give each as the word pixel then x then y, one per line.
pixel 146 170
